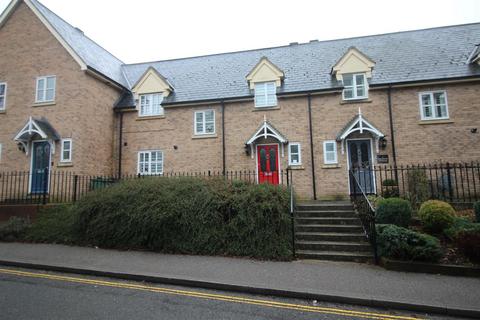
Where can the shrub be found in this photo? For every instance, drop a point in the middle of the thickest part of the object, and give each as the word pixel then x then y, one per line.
pixel 394 211
pixel 14 229
pixel 436 216
pixel 54 224
pixel 389 183
pixel 188 215
pixel 459 224
pixel 404 244
pixel 417 186
pixel 374 200
pixel 468 241
pixel 476 209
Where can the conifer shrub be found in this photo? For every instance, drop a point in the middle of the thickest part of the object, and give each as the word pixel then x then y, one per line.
pixel 189 216
pixel 436 216
pixel 393 211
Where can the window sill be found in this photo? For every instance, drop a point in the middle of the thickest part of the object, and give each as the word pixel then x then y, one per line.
pixel 140 118
pixel 204 136
pixel 363 100
pixel 296 167
pixel 256 109
pixel 331 166
pixel 44 104
pixel 65 164
pixel 440 121
pixel 3 111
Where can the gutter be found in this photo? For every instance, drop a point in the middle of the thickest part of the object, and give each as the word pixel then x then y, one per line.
pixel 223 139
pixel 312 159
pixel 390 118
pixel 120 145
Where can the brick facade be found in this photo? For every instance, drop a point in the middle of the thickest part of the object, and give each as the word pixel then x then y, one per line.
pixel 83 111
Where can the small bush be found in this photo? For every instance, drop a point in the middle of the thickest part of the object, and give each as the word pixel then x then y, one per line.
pixel 374 200
pixel 404 244
pixel 394 211
pixel 459 224
pixel 476 210
pixel 417 187
pixel 468 241
pixel 389 183
pixel 14 229
pixel 53 225
pixel 436 216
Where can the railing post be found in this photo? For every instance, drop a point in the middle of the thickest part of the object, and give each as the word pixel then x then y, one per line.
pixel 75 181
pixel 45 186
pixel 449 182
pixel 292 218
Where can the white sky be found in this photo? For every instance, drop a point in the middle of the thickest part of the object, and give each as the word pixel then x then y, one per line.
pixel 146 30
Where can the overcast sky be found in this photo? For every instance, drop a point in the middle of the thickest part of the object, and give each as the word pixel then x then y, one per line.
pixel 146 30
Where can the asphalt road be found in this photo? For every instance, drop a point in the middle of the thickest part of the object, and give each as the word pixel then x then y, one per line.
pixel 26 294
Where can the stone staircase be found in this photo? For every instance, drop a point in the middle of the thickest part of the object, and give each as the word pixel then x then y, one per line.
pixel 330 230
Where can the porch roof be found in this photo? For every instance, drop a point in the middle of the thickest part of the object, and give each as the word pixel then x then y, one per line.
pixel 358 124
pixel 40 127
pixel 267 130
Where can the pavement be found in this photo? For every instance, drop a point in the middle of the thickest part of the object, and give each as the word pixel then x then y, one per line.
pixel 339 282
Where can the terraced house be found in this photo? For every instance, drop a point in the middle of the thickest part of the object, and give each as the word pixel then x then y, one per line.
pixel 318 108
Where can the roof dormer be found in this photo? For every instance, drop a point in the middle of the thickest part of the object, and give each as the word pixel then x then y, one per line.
pixel 265 71
pixel 475 55
pixel 353 61
pixel 152 82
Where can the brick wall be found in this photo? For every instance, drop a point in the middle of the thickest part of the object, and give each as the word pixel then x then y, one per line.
pixel 83 106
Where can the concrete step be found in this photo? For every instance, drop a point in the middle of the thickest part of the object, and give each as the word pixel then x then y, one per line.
pixel 329 220
pixel 323 207
pixel 335 255
pixel 339 228
pixel 331 213
pixel 333 246
pixel 331 236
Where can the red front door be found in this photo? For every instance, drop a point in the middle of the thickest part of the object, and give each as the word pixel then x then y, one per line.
pixel 267 161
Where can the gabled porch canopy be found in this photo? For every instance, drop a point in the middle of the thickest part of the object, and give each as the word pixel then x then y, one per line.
pixel 264 131
pixel 359 124
pixel 37 129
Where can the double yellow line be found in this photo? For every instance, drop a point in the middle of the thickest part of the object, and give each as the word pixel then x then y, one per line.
pixel 218 297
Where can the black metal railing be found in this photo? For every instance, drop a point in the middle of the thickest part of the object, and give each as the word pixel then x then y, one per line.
pixel 41 187
pixel 365 211
pixel 293 206
pixel 451 182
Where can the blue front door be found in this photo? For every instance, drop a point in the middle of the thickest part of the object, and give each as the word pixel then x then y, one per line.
pixel 360 157
pixel 40 166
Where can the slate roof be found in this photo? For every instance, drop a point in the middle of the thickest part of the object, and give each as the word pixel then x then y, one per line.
pixel 436 53
pixel 89 51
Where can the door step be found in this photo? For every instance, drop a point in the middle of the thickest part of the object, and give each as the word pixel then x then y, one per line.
pixel 343 246
pixel 337 228
pixel 331 236
pixel 335 255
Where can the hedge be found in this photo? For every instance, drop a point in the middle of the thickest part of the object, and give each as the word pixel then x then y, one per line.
pixel 436 215
pixel 393 211
pixel 189 216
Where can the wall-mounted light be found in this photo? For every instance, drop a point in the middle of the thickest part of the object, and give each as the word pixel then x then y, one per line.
pixel 21 147
pixel 247 149
pixel 473 130
pixel 382 143
pixel 175 147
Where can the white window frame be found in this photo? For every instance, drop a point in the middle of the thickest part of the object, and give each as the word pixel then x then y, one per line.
pixel 434 106
pixel 354 86
pixel 150 114
pixel 204 122
pixel 149 162
pixel 290 162
pixel 44 89
pixel 4 96
pixel 62 150
pixel 267 104
pixel 325 160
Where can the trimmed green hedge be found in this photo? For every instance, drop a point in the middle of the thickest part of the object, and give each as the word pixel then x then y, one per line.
pixel 404 244
pixel 393 211
pixel 14 229
pixel 476 210
pixel 436 215
pixel 54 224
pixel 188 215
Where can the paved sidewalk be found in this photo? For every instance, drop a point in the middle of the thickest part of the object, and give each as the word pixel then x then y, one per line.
pixel 328 281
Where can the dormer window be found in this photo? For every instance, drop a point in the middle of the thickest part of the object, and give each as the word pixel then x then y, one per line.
pixel 151 105
pixel 355 86
pixel 265 94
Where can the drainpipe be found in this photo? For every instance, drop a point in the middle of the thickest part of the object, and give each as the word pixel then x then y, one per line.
pixel 120 145
pixel 309 98
pixel 223 138
pixel 390 116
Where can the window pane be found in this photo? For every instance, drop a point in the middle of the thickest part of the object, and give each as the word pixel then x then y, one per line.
pixel 360 91
pixel 359 78
pixel 294 158
pixel 41 84
pixel 49 95
pixel 294 148
pixel 273 160
pixel 2 89
pixel 263 160
pixel 329 147
pixel 50 82
pixel 427 111
pixel 2 101
pixel 330 156
pixel 426 99
pixel 209 127
pixel 347 80
pixel 66 145
pixel 199 122
pixel 209 115
pixel 260 100
pixel 348 93
pixel 439 98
